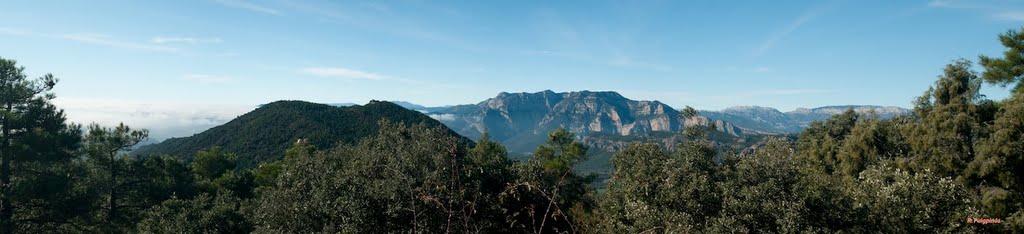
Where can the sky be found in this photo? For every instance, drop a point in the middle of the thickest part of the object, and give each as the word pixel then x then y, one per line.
pixel 177 67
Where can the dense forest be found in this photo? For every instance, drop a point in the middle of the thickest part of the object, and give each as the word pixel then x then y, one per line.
pixel 954 165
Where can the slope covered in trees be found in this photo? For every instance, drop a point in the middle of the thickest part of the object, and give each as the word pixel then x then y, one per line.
pixel 262 134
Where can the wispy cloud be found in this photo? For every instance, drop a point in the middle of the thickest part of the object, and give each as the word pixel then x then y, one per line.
pixel 1009 16
pixel 996 10
pixel 382 18
pixel 632 63
pixel 185 40
pixel 763 69
pixel 961 4
pixel 341 72
pixel 780 35
pixel 246 5
pixel 106 40
pixel 12 31
pixel 205 78
pixel 157 44
pixel 783 92
pixel 442 117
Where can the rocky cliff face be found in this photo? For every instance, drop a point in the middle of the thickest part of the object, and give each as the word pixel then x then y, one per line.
pixel 517 119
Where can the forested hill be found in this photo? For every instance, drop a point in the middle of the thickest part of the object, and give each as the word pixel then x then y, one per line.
pixel 263 134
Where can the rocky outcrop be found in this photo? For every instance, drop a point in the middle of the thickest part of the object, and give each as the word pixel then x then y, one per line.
pixel 518 119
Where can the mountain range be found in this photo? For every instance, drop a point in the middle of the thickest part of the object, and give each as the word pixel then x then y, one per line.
pixel 766 120
pixel 605 120
pixel 521 120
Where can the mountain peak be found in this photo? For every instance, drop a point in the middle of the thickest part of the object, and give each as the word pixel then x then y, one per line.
pixel 600 94
pixel 276 125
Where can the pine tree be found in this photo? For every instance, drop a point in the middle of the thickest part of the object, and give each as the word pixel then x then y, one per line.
pixel 115 175
pixel 1010 68
pixel 36 151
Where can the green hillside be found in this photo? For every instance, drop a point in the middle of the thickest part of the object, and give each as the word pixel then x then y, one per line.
pixel 263 134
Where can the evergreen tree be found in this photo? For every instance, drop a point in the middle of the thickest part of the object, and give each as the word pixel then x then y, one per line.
pixel 115 176
pixel 37 146
pixel 489 169
pixel 548 188
pixel 1010 68
pixel 998 169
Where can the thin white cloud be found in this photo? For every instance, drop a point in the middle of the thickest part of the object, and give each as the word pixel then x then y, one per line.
pixel 763 69
pixel 341 72
pixel 961 4
pixel 13 31
pixel 944 3
pixel 100 39
pixel 1009 16
pixel 782 92
pixel 226 54
pixel 204 78
pixel 185 40
pixel 106 40
pixel 632 63
pixel 377 17
pixel 442 117
pixel 996 10
pixel 246 5
pixel 780 35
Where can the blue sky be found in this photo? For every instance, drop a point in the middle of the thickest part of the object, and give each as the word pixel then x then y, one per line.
pixel 205 61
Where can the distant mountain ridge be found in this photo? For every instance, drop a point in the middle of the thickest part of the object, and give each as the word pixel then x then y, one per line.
pixel 520 120
pixel 772 121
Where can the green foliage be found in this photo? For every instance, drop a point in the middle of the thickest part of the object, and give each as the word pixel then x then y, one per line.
pixel 266 174
pixel 959 157
pixel 899 201
pixel 768 191
pixel 405 178
pixel 202 214
pixel 869 142
pixel 950 117
pixel 820 144
pixel 999 166
pixel 261 135
pixel 561 152
pixel 489 169
pixel 117 179
pixel 547 188
pixel 652 190
pixel 1010 68
pixel 37 146
pixel 212 163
